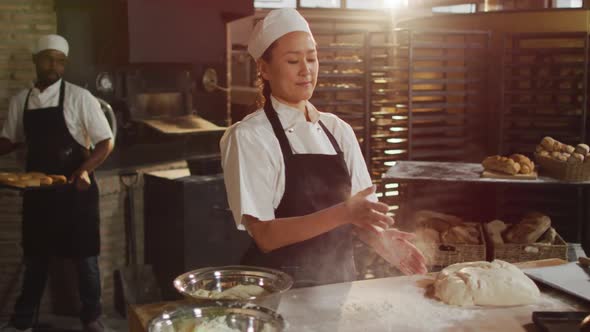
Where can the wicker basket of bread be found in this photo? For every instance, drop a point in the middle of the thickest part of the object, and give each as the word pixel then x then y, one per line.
pixel 446 239
pixel 562 161
pixel 532 238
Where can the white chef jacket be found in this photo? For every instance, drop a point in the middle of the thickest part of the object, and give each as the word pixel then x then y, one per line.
pixel 253 165
pixel 84 118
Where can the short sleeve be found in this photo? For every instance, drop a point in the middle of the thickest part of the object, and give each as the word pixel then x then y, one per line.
pixel 250 174
pixel 360 178
pixel 13 128
pixel 94 121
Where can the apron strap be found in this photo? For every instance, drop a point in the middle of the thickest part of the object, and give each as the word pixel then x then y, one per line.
pixel 330 137
pixel 273 117
pixel 62 88
pixel 26 106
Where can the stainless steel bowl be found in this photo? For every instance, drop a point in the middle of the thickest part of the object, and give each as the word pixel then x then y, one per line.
pixel 219 279
pixel 232 317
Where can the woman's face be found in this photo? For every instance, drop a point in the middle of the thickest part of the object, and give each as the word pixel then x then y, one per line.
pixel 293 68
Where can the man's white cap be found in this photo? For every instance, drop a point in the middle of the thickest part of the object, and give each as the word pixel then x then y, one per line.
pixel 52 42
pixel 276 24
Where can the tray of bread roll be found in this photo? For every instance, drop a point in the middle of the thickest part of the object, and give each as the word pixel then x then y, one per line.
pixel 514 167
pixel 31 180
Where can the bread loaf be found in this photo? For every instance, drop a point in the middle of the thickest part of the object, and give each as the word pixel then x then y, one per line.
pixel 436 220
pixel 549 236
pixel 495 229
pixel 460 235
pixel 529 229
pixel 501 164
pixel 526 165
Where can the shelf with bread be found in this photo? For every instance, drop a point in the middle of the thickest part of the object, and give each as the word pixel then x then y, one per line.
pixel 532 238
pixel 31 180
pixel 543 89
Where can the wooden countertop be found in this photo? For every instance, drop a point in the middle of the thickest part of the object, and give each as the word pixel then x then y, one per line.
pixel 396 303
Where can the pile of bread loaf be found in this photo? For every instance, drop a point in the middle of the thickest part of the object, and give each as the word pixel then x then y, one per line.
pixel 552 148
pixel 31 179
pixel 435 227
pixel 533 228
pixel 515 164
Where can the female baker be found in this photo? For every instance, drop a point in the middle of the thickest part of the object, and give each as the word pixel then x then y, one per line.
pixel 295 177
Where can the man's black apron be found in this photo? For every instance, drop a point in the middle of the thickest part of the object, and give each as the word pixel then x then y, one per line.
pixel 57 220
pixel 312 182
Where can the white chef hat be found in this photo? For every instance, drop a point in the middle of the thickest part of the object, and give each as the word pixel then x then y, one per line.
pixel 276 24
pixel 52 42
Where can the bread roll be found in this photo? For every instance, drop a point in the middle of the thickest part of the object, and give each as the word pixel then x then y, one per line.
pixel 460 235
pixel 539 148
pixel 58 179
pixel 568 149
pixel 495 228
pixel 529 229
pixel 24 177
pixel 582 149
pixel 547 143
pixel 35 174
pixel 575 158
pixel 501 164
pixel 45 181
pixel 526 165
pixel 544 154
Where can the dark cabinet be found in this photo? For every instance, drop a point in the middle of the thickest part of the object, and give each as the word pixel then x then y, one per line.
pixel 188 225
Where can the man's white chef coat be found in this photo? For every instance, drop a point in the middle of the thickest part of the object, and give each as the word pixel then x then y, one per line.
pixel 84 118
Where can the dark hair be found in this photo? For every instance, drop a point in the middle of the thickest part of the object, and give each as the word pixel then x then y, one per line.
pixel 264 85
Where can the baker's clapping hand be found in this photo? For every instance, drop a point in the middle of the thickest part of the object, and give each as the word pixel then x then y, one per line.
pixel 366 214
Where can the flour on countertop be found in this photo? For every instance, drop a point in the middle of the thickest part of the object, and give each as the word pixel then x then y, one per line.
pixel 411 310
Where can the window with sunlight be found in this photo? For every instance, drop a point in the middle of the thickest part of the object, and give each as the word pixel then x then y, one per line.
pixel 456 9
pixel 567 4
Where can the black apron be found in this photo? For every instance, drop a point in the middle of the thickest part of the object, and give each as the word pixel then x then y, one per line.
pixel 57 220
pixel 312 182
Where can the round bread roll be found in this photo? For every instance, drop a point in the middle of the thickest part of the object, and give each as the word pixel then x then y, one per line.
pixel 582 149
pixel 544 153
pixel 547 143
pixel 58 179
pixel 564 156
pixel 568 148
pixel 555 154
pixel 46 181
pixel 575 158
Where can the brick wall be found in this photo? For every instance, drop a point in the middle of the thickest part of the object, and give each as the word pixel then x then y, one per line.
pixel 21 23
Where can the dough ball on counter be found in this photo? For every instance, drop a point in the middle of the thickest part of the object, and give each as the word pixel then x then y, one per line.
pixel 486 284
